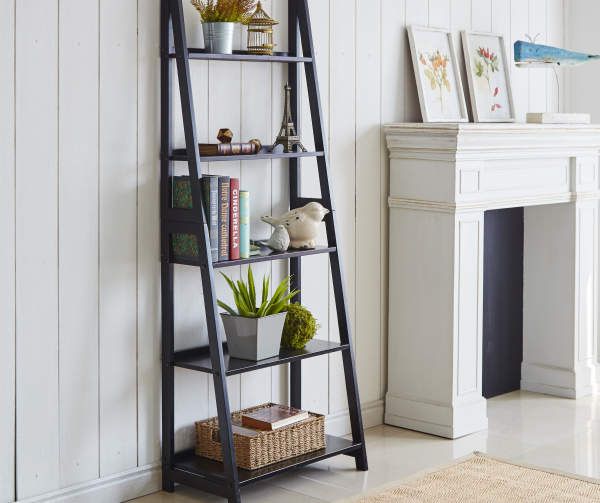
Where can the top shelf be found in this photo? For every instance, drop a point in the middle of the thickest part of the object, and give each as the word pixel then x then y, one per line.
pixel 278 57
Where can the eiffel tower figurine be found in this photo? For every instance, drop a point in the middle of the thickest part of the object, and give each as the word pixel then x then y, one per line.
pixel 287 135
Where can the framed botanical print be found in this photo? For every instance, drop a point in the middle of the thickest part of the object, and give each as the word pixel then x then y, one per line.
pixel 488 75
pixel 437 74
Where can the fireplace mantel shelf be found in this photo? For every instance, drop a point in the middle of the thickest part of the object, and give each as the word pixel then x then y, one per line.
pixel 443 177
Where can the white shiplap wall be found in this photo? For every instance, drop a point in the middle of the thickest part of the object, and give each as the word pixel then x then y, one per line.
pixel 79 296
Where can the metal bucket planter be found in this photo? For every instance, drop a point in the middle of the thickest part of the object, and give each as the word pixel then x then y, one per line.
pixel 218 37
pixel 253 338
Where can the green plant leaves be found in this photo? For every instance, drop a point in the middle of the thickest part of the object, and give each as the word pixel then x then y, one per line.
pixel 244 295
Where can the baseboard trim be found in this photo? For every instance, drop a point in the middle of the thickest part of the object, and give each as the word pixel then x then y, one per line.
pixel 556 381
pixel 114 488
pixel 338 423
pixel 437 419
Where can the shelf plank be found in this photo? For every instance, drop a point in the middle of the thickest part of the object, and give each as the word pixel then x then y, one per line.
pixel 199 359
pixel 277 57
pixel 188 466
pixel 194 261
pixel 180 154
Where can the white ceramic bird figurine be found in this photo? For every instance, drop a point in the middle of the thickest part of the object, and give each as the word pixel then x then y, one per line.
pixel 302 224
pixel 280 239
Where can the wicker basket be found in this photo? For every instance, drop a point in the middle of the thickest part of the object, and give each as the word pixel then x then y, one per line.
pixel 265 448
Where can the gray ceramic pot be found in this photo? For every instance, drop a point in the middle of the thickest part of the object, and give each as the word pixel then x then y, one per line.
pixel 253 338
pixel 218 37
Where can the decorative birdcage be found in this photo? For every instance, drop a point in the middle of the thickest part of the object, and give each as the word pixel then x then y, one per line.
pixel 260 32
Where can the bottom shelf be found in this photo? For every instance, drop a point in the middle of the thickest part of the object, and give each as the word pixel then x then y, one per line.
pixel 187 463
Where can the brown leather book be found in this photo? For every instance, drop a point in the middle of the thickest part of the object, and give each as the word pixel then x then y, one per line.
pixel 213 149
pixel 273 417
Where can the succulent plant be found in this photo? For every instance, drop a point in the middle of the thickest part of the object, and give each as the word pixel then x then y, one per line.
pixel 244 295
pixel 299 328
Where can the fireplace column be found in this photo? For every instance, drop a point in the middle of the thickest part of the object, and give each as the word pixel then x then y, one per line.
pixel 560 299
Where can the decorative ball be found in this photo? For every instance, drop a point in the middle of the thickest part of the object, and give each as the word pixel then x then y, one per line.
pixel 299 328
pixel 225 135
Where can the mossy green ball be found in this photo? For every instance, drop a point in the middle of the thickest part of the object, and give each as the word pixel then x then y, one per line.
pixel 299 328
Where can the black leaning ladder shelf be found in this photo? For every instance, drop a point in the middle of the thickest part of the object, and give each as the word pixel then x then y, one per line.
pixel 225 479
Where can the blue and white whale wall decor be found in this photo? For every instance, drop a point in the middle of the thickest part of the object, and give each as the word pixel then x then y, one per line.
pixel 532 55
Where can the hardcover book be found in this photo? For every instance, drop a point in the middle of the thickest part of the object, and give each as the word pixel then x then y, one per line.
pixel 244 224
pixel 210 193
pixel 224 187
pixel 273 417
pixel 234 219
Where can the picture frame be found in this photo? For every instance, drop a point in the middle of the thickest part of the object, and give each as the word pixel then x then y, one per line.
pixel 488 77
pixel 437 75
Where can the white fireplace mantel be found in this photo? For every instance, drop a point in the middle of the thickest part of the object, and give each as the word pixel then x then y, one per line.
pixel 443 177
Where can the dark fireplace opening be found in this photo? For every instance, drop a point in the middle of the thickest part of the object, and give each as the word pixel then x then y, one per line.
pixel 502 301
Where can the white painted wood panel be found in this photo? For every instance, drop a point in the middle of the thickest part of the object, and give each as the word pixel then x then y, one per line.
pixel 255 177
pixel 315 293
pixel 416 13
pixel 342 156
pixel 538 77
pixel 7 252
pixel 36 32
pixel 148 259
pixel 368 215
pixel 118 236
pixel 519 27
pixel 481 15
pixel 78 241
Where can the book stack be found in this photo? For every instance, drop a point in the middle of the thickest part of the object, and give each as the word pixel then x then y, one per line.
pixel 227 212
pixel 273 417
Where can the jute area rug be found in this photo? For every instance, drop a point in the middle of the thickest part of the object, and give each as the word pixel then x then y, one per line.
pixel 480 478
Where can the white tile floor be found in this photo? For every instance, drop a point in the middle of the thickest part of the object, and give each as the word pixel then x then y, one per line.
pixel 535 429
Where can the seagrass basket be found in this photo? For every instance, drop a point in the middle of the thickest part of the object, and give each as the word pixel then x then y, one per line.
pixel 267 447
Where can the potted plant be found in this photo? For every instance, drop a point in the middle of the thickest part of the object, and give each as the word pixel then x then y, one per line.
pixel 254 330
pixel 219 18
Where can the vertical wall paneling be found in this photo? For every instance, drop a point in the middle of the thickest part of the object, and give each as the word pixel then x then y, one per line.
pixel 279 174
pixel 343 172
pixel 78 241
pixel 395 54
pixel 36 247
pixel 439 14
pixel 118 236
pixel 481 15
pixel 501 24
pixel 224 110
pixel 555 36
pixel 519 27
pixel 416 13
pixel 256 178
pixel 461 20
pixel 538 77
pixel 368 186
pixel 393 43
pixel 191 388
pixel 148 262
pixel 315 294
pixel 7 252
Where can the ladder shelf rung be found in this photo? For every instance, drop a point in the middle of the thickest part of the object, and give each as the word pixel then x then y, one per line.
pixel 180 154
pixel 199 359
pixel 195 261
pixel 277 57
pixel 204 469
